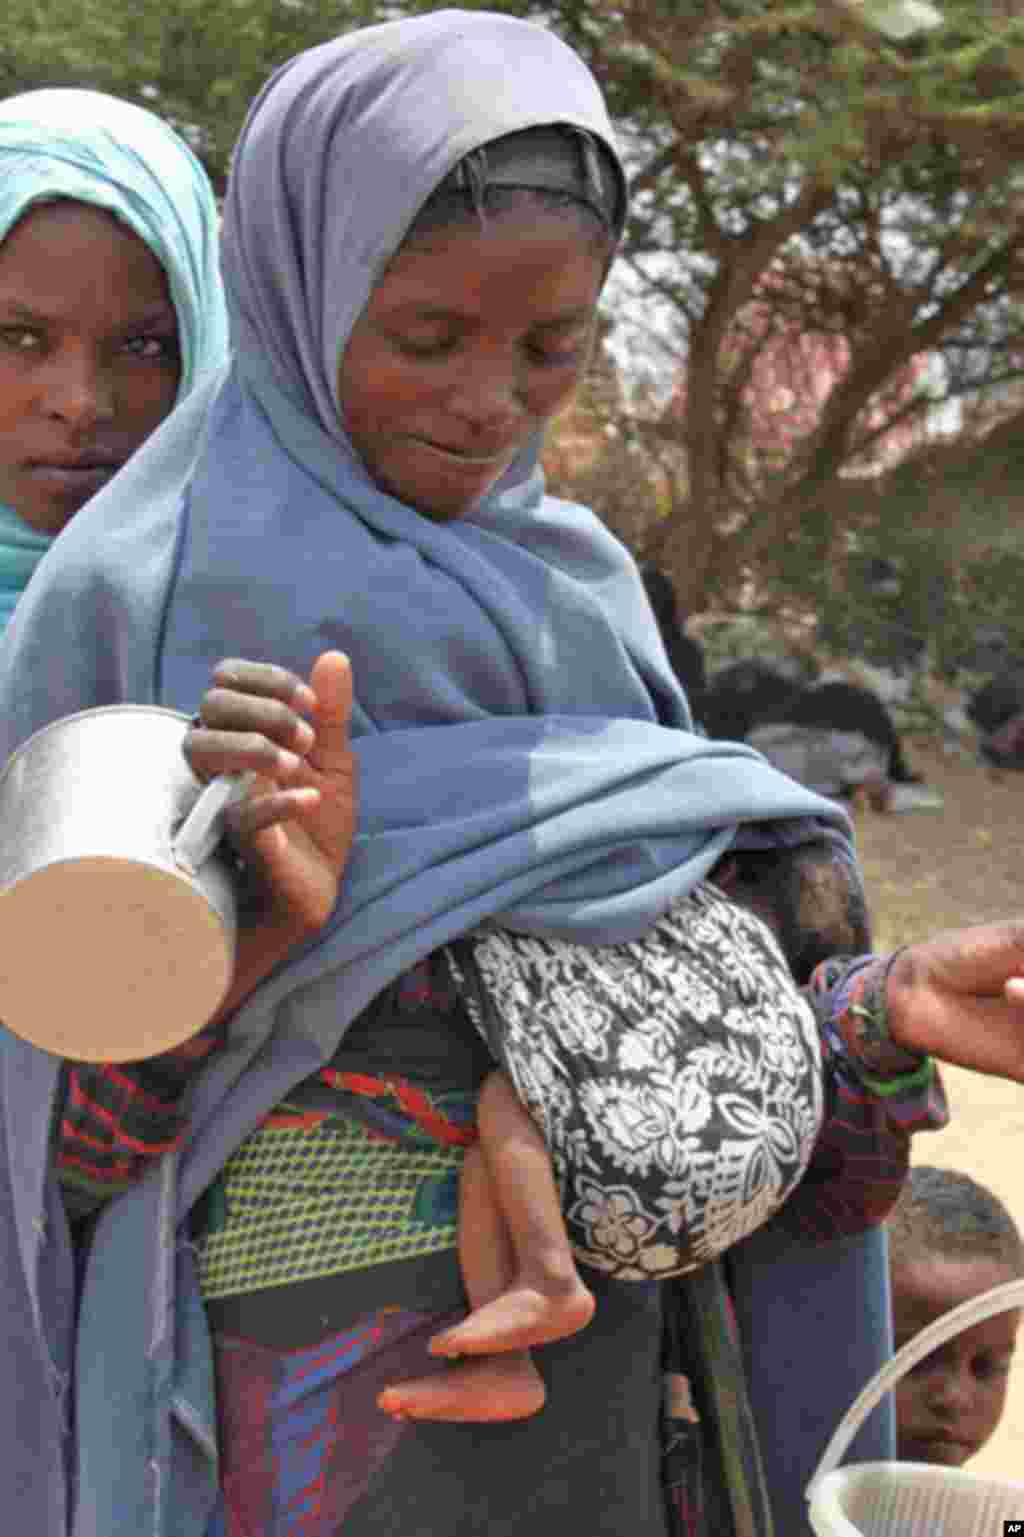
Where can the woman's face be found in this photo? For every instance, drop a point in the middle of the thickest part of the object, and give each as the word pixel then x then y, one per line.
pixel 950 1403
pixel 472 340
pixel 89 361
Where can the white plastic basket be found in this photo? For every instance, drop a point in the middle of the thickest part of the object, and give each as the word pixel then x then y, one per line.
pixel 913 1499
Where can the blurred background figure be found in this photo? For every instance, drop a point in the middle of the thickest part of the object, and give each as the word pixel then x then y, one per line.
pixel 996 710
pixel 833 735
pixel 685 654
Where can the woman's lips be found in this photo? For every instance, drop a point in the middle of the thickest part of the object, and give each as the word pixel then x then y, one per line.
pixel 470 461
pixel 75 479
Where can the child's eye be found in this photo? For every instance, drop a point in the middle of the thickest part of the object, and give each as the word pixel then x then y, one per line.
pixel 989 1368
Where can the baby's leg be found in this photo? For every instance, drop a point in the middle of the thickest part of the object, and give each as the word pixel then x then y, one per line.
pixel 504 1387
pixel 542 1297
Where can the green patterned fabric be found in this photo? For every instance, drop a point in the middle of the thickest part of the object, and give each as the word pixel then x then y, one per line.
pixel 300 1200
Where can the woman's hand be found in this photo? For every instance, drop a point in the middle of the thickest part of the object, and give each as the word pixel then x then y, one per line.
pixel 294 829
pixel 960 997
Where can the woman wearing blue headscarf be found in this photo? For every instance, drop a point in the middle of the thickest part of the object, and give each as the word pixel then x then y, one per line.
pixel 111 304
pixel 214 1263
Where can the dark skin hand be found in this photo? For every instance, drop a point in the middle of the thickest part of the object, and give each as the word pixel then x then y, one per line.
pixel 960 997
pixel 295 827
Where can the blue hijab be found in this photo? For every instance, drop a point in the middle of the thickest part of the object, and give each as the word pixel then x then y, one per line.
pixel 91 148
pixel 525 750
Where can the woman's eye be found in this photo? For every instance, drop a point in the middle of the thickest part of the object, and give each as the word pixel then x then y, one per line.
pixel 20 339
pixel 560 350
pixel 154 348
pixel 427 347
pixel 558 357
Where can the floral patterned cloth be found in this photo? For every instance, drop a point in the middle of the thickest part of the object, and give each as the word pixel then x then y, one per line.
pixel 677 1080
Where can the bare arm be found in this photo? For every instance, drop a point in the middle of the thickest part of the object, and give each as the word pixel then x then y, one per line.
pixel 960 997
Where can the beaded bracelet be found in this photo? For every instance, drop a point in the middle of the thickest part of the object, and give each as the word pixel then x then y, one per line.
pixel 870 1014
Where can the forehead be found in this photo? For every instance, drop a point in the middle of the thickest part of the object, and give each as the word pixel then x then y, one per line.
pixel 551 258
pixel 68 259
pixel 926 1286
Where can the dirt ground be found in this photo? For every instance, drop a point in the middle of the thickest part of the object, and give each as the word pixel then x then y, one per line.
pixel 928 870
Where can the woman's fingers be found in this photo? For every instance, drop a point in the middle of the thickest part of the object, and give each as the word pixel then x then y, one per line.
pixel 265 679
pixel 254 717
pixel 289 855
pixel 210 752
pixel 225 709
pixel 259 698
pixel 331 681
pixel 295 826
pixel 268 809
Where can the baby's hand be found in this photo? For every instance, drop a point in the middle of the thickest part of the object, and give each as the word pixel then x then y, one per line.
pixel 295 827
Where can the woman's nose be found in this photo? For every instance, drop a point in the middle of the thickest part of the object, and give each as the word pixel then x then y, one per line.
pixel 77 390
pixel 487 396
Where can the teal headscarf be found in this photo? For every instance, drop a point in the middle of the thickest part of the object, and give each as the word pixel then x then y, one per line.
pixel 95 149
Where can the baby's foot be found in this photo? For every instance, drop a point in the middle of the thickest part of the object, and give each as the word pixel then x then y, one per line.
pixel 507 1387
pixel 520 1317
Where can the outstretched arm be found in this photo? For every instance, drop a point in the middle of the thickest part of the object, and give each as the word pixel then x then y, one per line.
pixel 957 997
pixel 960 997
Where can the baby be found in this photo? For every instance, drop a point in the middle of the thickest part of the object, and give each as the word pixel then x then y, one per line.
pixel 514 1251
pixel 949 1239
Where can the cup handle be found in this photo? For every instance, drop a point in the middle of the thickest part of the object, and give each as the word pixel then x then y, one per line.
pixel 203 828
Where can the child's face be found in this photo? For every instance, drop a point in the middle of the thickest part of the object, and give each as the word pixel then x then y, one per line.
pixel 948 1406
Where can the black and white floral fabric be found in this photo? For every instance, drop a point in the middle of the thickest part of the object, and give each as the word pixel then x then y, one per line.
pixel 677 1079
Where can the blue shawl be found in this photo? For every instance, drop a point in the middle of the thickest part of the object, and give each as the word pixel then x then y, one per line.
pixel 525 750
